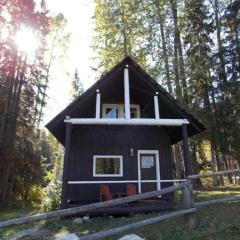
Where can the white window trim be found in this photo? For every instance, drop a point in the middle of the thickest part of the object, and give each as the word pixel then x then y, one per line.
pixel 107 175
pixel 120 109
pixel 156 153
pixel 137 107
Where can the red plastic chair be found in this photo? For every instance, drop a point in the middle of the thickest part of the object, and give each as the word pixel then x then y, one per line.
pixel 131 189
pixel 105 193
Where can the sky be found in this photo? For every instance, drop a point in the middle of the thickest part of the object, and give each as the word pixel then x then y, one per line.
pixel 80 24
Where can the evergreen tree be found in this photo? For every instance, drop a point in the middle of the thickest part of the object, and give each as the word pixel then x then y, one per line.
pixel 192 49
pixel 25 160
pixel 77 87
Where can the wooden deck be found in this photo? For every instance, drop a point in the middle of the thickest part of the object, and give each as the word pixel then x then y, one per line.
pixel 147 205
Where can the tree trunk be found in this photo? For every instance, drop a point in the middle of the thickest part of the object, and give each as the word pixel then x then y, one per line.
pixel 177 161
pixel 194 161
pixel 6 141
pixel 214 134
pixel 178 43
pixel 125 47
pixel 4 181
pixel 10 129
pixel 164 46
pixel 222 71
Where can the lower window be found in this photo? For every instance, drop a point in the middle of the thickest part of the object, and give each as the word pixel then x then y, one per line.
pixel 107 166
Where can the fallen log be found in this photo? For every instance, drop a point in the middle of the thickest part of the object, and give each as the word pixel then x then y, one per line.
pixel 89 207
pixel 131 226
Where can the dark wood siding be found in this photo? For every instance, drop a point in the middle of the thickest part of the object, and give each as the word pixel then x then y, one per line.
pixel 88 141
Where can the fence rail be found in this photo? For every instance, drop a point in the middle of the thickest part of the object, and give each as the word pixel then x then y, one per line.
pixel 89 207
pixel 142 223
pixel 188 204
pixel 234 171
pixel 215 201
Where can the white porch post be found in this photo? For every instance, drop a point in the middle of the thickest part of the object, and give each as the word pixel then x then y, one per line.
pixel 156 106
pixel 98 104
pixel 126 93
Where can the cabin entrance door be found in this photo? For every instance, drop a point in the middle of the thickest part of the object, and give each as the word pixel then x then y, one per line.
pixel 148 171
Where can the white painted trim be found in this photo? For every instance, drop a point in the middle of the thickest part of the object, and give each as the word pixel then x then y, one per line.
pixel 122 121
pixel 98 104
pixel 120 108
pixel 138 109
pixel 126 93
pixel 156 107
pixel 127 181
pixel 139 173
pixel 157 165
pixel 107 175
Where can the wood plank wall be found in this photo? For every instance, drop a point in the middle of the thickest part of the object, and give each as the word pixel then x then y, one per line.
pixel 113 140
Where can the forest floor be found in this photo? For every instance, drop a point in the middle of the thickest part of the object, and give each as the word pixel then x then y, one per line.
pixel 218 222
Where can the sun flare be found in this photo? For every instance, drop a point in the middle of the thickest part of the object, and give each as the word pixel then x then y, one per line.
pixel 27 41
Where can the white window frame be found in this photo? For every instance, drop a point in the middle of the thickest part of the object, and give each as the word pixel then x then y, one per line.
pixel 107 175
pixel 120 108
pixel 138 109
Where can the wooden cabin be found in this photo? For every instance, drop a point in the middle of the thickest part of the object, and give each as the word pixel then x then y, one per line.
pixel 119 133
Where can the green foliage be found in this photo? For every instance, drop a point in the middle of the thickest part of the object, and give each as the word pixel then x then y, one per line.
pixel 119 32
pixel 77 86
pixel 53 189
pixel 198 43
pixel 26 154
pixel 52 197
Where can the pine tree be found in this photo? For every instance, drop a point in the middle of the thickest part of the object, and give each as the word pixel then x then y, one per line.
pixel 192 49
pixel 77 86
pixel 17 86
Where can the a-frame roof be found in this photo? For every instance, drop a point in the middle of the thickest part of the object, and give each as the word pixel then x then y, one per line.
pixel 79 107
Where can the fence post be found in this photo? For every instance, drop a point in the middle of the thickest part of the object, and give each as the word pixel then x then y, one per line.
pixel 190 219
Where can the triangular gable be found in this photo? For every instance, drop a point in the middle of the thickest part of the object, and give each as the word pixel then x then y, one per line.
pixel 78 107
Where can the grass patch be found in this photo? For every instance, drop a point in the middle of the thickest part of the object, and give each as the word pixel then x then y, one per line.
pixel 218 222
pixel 16 211
pixel 218 192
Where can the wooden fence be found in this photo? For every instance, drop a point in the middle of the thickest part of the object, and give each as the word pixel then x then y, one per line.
pixel 213 174
pixel 89 207
pixel 189 208
pixel 142 223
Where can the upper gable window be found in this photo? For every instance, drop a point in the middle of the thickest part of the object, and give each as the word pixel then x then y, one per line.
pixel 111 112
pixel 117 111
pixel 135 111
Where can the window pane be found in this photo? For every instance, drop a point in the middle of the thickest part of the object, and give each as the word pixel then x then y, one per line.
pixel 147 161
pixel 133 112
pixel 112 112
pixel 108 165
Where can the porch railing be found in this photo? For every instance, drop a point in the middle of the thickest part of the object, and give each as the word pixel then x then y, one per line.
pixel 127 181
pixel 139 182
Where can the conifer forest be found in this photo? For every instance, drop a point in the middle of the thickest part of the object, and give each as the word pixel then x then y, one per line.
pixel 191 48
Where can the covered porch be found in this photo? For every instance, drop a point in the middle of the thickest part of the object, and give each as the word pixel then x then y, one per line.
pixel 108 191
